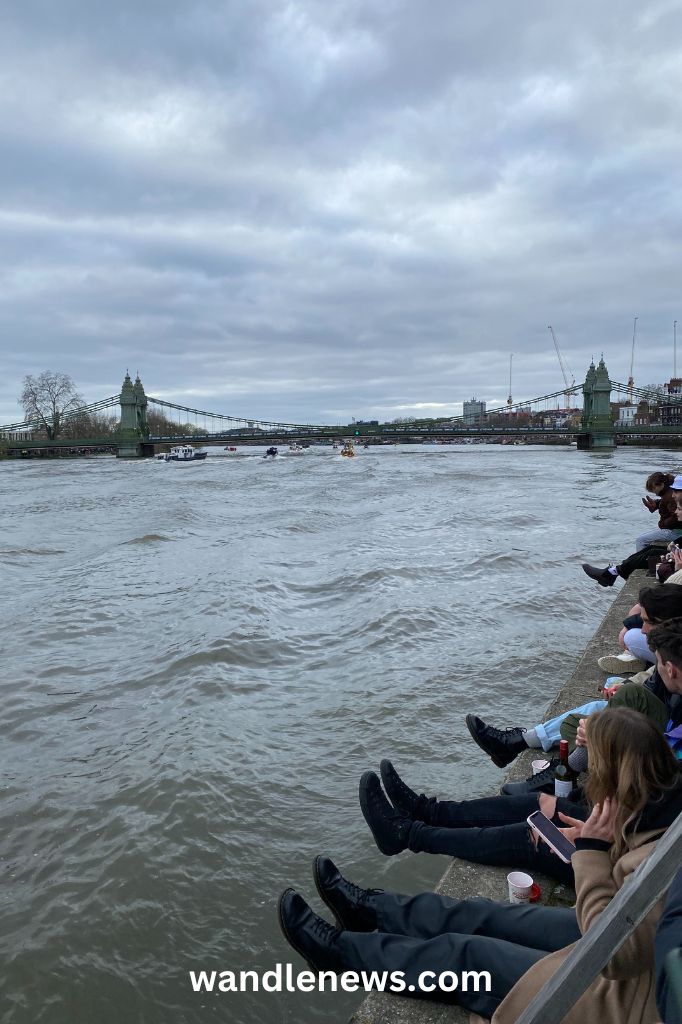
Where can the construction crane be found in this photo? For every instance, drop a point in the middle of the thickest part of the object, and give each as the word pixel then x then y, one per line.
pixel 631 379
pixel 566 373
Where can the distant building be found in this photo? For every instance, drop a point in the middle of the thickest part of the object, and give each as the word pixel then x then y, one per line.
pixel 626 415
pixel 671 415
pixel 473 412
pixel 17 435
pixel 645 415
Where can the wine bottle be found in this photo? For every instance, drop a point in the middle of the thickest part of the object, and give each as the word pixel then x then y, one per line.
pixel 564 776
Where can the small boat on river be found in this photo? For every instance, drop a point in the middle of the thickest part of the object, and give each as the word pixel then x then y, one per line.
pixel 230 449
pixel 348 450
pixel 296 449
pixel 181 453
pixel 271 453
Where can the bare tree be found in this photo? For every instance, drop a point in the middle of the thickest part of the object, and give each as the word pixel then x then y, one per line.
pixel 163 426
pixel 82 424
pixel 48 398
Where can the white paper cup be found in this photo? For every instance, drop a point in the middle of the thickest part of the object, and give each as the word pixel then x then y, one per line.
pixel 539 766
pixel 520 887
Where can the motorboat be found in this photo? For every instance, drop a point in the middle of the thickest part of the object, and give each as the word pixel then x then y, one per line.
pixel 296 449
pixel 181 453
pixel 348 450
pixel 271 453
pixel 230 449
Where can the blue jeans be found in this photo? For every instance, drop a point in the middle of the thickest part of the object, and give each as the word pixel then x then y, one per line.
pixel 548 732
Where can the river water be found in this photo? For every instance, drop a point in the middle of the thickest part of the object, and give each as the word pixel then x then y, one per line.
pixel 200 661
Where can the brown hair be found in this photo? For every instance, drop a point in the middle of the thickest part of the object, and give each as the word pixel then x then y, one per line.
pixel 630 762
pixel 657 480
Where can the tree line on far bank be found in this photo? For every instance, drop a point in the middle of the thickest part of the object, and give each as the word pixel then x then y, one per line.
pixel 52 401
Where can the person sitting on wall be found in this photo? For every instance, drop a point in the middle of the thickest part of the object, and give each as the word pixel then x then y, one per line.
pixel 659 697
pixel 519 946
pixel 663 486
pixel 645 549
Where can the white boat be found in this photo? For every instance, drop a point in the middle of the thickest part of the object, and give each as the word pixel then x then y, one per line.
pixel 230 449
pixel 296 449
pixel 181 453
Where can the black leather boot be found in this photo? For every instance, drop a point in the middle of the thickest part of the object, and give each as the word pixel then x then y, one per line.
pixel 501 745
pixel 310 935
pixel 603 577
pixel 352 906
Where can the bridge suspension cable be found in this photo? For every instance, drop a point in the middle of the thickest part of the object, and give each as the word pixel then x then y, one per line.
pixel 234 419
pixel 647 394
pixel 104 403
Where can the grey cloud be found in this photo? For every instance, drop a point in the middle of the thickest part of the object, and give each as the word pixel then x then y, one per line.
pixel 309 209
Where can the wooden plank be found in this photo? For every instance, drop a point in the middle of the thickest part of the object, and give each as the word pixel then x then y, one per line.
pixel 626 910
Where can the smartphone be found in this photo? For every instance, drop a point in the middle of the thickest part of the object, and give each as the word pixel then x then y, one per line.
pixel 553 836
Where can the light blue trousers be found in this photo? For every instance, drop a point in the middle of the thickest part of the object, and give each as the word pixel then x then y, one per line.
pixel 636 643
pixel 656 537
pixel 548 732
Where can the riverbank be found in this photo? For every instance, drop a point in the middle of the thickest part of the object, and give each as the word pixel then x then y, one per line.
pixel 463 879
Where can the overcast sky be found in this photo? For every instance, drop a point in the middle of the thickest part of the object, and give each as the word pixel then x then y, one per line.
pixel 320 209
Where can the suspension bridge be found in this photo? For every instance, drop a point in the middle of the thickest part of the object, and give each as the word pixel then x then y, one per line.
pixel 590 422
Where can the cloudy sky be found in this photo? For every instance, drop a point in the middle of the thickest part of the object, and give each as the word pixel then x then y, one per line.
pixel 312 210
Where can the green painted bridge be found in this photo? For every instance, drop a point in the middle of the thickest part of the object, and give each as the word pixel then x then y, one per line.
pixel 596 429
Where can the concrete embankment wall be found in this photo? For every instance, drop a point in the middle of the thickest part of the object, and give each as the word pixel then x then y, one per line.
pixel 462 879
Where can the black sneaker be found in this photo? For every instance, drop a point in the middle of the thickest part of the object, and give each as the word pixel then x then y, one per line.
pixel 390 828
pixel 501 745
pixel 543 782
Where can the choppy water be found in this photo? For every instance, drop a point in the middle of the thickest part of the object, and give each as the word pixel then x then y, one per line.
pixel 200 661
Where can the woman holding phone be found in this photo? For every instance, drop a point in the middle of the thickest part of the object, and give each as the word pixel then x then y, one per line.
pixel 422 941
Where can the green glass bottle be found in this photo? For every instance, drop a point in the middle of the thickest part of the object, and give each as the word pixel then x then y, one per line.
pixel 565 779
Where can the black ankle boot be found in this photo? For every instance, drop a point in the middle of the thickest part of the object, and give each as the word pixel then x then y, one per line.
pixel 352 906
pixel 419 807
pixel 390 828
pixel 603 577
pixel 310 935
pixel 501 745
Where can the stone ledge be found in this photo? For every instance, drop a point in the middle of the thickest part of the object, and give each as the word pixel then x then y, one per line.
pixel 464 879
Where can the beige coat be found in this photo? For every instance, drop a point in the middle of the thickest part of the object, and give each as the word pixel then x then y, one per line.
pixel 624 992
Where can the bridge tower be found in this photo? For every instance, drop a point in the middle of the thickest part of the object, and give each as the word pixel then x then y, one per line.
pixel 597 430
pixel 588 388
pixel 133 430
pixel 140 407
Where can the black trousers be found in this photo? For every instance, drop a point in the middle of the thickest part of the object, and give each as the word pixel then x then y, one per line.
pixel 491 830
pixel 433 933
pixel 638 559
